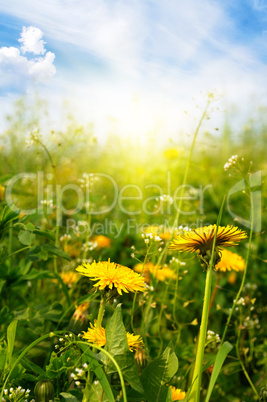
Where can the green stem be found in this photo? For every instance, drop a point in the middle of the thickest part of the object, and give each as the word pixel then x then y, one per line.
pixel 195 393
pixel 145 318
pixel 58 207
pixel 175 295
pixel 101 311
pixel 10 240
pixel 113 361
pixel 244 368
pixel 244 275
pixel 196 381
pixel 50 335
pixel 135 295
pixel 160 316
pixel 15 252
pixel 98 326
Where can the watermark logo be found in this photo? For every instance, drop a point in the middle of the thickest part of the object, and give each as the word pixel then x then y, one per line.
pixel 99 194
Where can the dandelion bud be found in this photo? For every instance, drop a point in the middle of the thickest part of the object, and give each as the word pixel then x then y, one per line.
pixel 2 192
pixel 78 321
pixel 140 357
pixel 264 394
pixel 44 391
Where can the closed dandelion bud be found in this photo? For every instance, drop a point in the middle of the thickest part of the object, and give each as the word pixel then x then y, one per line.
pixel 140 357
pixel 79 321
pixel 264 395
pixel 2 192
pixel 44 391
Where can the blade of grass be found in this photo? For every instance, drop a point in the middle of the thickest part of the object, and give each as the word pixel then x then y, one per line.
pixel 195 393
pixel 220 358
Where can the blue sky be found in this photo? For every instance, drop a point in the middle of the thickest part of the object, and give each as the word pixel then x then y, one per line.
pixel 140 61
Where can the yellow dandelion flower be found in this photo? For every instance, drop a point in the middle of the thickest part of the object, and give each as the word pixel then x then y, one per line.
pixel 171 153
pixel 109 275
pixel 69 278
pixel 102 241
pixel 177 394
pixel 165 273
pixel 134 341
pixel 201 239
pixel 148 267
pixel 165 235
pixel 161 273
pixel 98 336
pixel 81 309
pixel 230 261
pixel 2 192
pixel 95 335
pixel 232 278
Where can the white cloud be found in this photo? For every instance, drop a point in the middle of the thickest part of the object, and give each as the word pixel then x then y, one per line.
pixel 43 68
pixel 171 50
pixel 31 39
pixel 17 71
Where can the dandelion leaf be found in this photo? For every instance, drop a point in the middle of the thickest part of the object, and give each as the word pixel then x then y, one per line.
pixel 117 346
pixel 157 374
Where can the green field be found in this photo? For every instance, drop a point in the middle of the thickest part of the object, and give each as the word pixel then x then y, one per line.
pixel 67 199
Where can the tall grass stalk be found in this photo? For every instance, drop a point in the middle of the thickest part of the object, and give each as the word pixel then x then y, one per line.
pixel 244 274
pixel 197 375
pixel 239 293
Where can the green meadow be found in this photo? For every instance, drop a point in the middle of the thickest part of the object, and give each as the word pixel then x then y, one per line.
pixel 167 214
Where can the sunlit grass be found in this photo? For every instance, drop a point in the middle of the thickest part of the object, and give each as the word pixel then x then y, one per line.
pixel 113 210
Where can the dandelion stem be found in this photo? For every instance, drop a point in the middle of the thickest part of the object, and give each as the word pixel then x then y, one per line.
pixel 175 295
pixel 135 295
pixel 101 311
pixel 196 381
pixel 214 292
pixel 194 396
